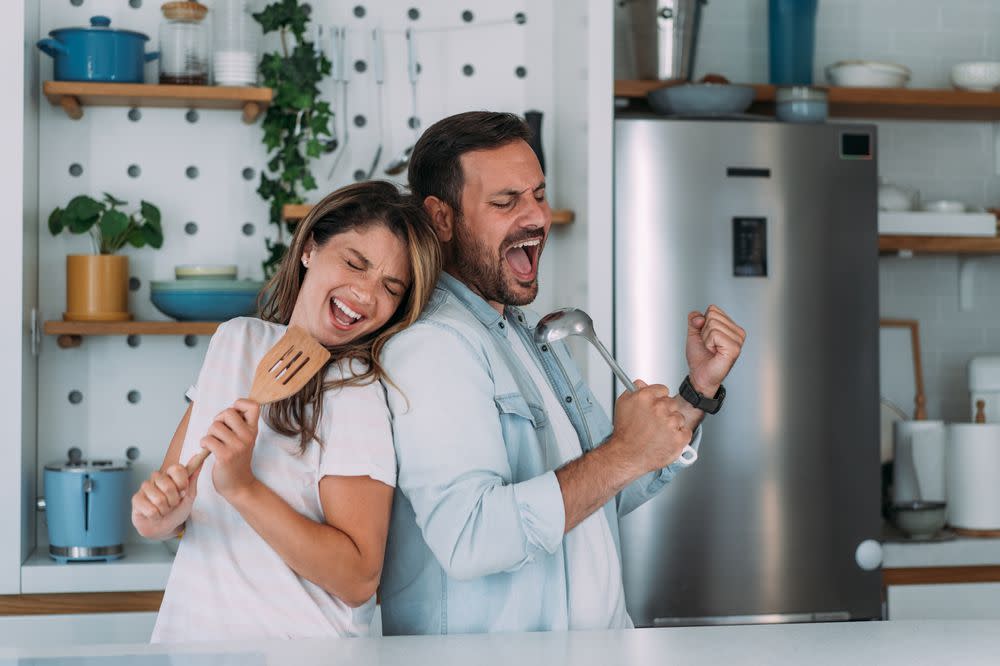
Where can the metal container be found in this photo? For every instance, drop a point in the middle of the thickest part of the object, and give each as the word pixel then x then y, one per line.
pixel 98 53
pixel 656 39
pixel 86 505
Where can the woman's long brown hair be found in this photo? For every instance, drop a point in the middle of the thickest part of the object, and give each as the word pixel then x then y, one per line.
pixel 357 206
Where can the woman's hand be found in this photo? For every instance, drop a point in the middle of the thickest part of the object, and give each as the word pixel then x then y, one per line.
pixel 231 439
pixel 163 502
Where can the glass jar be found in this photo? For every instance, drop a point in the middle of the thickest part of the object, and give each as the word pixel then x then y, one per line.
pixel 235 43
pixel 184 49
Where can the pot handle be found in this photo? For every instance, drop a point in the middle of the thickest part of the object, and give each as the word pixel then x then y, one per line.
pixel 152 55
pixel 51 47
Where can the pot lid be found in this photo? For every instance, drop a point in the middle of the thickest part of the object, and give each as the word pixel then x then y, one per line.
pixel 98 24
pixel 89 466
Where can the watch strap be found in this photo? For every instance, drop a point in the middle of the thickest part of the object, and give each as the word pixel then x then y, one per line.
pixel 707 405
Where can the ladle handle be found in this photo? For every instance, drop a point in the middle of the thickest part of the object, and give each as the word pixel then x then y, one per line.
pixel 688 454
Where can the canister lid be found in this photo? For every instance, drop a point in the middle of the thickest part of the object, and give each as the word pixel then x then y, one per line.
pixel 89 466
pixel 984 373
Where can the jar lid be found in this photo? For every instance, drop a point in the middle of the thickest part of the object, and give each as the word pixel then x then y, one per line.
pixel 184 11
pixel 89 466
pixel 799 94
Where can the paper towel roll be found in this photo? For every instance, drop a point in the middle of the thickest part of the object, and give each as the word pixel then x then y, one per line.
pixel 974 476
pixel 918 461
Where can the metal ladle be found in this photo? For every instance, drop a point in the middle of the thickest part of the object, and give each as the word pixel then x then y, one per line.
pixel 573 321
pixel 399 163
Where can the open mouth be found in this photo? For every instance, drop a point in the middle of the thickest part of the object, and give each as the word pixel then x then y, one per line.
pixel 522 257
pixel 344 317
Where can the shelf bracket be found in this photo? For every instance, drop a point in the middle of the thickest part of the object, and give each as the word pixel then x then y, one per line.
pixel 69 341
pixel 250 112
pixel 71 105
pixel 966 284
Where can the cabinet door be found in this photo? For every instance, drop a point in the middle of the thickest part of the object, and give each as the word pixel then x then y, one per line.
pixel 28 631
pixel 958 601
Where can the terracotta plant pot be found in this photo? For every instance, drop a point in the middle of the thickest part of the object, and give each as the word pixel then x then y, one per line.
pixel 96 288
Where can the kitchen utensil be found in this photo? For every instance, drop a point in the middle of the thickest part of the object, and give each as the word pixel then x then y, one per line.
pixel 984 386
pixel 919 519
pixel 656 40
pixel 572 321
pixel 867 74
pixel 98 53
pixel 791 41
pixel 378 68
pixel 973 467
pixel 338 72
pixel 801 104
pixel 200 299
pixel 401 161
pixel 701 99
pixel 918 471
pixel 85 505
pixel 980 76
pixel 205 271
pixel 285 369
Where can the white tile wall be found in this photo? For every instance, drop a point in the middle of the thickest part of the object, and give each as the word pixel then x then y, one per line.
pixel 942 160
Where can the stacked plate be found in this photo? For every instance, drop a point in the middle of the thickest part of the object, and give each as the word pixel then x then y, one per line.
pixel 205 293
pixel 234 68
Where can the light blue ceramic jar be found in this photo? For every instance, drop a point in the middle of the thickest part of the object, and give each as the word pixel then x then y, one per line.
pixel 86 505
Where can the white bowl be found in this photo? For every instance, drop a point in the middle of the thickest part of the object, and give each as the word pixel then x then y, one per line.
pixel 981 76
pixel 945 206
pixel 205 271
pixel 895 198
pixel 867 74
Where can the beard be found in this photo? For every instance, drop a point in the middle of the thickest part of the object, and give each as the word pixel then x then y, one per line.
pixel 484 269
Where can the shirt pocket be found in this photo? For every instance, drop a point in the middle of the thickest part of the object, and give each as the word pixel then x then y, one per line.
pixel 516 412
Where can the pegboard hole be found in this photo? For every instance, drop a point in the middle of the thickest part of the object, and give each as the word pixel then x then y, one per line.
pixel 191 228
pixel 132 453
pixel 191 116
pixel 360 175
pixel 74 455
pixel 413 13
pixel 360 66
pixel 360 120
pixel 75 397
pixel 359 11
pixel 190 340
pixel 520 18
pixel 133 341
pixel 521 72
pixel 468 70
pixel 134 283
pixel 249 173
pixel 413 122
pixel 135 4
pixel 468 16
pixel 75 170
pixel 134 397
pixel 191 172
pixel 135 115
pixel 134 171
pixel 76 3
pixel 249 229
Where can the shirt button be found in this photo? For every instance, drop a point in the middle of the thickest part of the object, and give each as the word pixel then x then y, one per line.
pixel 569 399
pixel 545 347
pixel 501 324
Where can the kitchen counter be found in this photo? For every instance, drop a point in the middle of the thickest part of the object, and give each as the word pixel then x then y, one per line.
pixel 959 552
pixel 883 643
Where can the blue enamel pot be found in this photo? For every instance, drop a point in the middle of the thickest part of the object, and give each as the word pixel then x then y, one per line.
pixel 98 53
pixel 87 509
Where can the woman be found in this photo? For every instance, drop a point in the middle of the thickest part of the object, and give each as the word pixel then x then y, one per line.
pixel 285 523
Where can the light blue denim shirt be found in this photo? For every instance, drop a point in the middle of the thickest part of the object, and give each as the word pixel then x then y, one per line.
pixel 476 537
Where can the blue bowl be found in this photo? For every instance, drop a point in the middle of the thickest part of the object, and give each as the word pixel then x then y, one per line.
pixel 206 303
pixel 702 99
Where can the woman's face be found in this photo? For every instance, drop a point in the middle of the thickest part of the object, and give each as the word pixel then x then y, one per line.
pixel 352 285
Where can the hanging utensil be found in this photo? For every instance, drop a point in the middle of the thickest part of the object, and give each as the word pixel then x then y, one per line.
pixel 378 67
pixel 333 142
pixel 341 54
pixel 399 163
pixel 285 369
pixel 572 321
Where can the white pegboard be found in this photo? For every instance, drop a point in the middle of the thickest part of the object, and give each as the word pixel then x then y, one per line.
pixel 220 201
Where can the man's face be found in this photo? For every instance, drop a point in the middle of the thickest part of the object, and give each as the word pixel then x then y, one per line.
pixel 505 219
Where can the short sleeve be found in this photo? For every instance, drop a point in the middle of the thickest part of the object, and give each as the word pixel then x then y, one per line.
pixel 357 434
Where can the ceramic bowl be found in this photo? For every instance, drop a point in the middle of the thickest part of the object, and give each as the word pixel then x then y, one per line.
pixel 945 206
pixel 701 99
pixel 867 74
pixel 205 300
pixel 205 271
pixel 895 198
pixel 981 76
pixel 920 520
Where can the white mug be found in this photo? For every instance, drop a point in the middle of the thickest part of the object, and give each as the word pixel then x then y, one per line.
pixel 918 468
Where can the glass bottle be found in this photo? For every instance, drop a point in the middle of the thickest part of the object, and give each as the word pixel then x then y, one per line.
pixel 236 39
pixel 184 49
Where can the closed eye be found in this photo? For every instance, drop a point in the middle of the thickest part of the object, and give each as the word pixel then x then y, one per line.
pixel 354 266
pixel 503 205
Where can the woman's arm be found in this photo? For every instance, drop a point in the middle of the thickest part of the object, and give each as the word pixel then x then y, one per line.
pixel 344 554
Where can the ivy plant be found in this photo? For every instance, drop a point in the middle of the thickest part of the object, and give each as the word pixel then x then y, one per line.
pixel 296 120
pixel 110 229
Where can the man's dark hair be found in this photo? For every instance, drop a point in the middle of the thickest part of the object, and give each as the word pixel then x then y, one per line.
pixel 435 169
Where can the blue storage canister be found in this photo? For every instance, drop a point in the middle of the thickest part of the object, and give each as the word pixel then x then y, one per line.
pixel 86 505
pixel 791 41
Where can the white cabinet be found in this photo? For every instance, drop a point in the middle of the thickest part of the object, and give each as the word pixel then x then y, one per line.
pixel 957 601
pixel 55 630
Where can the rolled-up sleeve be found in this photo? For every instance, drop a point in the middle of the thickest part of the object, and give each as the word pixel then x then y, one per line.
pixel 453 462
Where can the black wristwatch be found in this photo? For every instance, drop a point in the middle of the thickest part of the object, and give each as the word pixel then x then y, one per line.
pixel 707 405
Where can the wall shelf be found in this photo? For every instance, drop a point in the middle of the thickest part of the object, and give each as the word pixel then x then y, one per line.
pixel 71 333
pixel 72 96
pixel 898 103
pixel 145 567
pixel 940 244
pixel 295 212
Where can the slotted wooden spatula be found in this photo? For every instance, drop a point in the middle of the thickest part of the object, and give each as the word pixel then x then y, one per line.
pixel 284 370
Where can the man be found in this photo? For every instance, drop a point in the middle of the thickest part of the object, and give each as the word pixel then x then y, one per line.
pixel 511 478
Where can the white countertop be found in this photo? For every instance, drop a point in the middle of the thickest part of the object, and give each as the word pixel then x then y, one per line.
pixel 934 643
pixel 959 552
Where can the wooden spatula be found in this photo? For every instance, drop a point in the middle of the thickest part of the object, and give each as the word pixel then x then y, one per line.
pixel 284 370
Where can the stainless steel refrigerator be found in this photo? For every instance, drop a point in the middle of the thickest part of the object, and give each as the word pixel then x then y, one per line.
pixel 775 223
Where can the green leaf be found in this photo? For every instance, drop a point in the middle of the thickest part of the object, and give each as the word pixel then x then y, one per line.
pixel 150 213
pixel 113 202
pixel 152 235
pixel 56 222
pixel 113 224
pixel 81 213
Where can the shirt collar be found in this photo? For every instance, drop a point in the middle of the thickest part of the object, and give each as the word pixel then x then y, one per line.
pixel 478 306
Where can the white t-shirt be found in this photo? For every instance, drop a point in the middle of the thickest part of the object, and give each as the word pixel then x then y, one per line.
pixel 226 582
pixel 596 597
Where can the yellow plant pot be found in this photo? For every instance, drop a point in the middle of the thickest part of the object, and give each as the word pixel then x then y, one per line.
pixel 96 288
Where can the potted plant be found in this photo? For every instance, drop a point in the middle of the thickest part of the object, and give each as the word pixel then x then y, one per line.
pixel 97 284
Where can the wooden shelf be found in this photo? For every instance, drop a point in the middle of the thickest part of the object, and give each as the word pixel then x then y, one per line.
pixel 940 244
pixel 295 212
pixel 71 333
pixel 898 103
pixel 72 96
